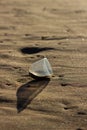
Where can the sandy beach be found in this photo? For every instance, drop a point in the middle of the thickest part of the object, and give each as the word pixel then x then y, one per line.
pixel 29 31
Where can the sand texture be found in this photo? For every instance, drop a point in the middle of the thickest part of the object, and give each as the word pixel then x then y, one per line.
pixel 29 31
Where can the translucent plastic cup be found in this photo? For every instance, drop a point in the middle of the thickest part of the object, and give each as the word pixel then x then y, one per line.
pixel 41 68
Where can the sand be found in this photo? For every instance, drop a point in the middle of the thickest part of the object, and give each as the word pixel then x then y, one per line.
pixel 29 31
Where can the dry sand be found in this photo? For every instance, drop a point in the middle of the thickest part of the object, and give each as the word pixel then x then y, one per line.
pixel 30 30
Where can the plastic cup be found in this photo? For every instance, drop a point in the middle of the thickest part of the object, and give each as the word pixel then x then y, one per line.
pixel 41 68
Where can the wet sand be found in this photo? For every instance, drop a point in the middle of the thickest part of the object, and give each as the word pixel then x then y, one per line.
pixel 29 31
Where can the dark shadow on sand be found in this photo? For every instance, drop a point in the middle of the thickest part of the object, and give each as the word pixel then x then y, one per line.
pixel 27 92
pixel 33 50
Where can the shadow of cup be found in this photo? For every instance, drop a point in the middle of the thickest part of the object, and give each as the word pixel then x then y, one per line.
pixel 27 92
